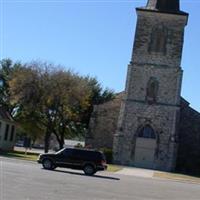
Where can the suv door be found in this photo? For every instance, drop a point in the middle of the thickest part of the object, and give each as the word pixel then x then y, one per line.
pixel 64 158
pixel 77 158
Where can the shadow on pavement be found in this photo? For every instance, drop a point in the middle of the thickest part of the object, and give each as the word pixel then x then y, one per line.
pixel 81 174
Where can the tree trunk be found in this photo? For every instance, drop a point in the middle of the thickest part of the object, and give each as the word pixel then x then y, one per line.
pixel 60 139
pixel 46 141
pixel 61 144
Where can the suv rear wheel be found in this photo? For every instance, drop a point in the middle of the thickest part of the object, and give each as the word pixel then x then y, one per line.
pixel 48 164
pixel 89 170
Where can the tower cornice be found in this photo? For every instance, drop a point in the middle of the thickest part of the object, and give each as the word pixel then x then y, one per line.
pixel 158 11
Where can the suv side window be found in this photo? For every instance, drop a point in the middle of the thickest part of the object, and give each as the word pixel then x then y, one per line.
pixel 93 155
pixel 79 154
pixel 67 152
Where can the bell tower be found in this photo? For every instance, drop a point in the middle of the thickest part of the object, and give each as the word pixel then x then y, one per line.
pixel 164 5
pixel 148 122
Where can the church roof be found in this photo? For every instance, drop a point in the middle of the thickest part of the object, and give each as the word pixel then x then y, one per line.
pixel 164 6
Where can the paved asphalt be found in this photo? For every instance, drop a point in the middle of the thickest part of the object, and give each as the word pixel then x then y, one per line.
pixel 23 180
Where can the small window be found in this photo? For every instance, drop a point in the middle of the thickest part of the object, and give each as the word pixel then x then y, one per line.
pixel 12 133
pixel 152 90
pixel 6 132
pixel 147 132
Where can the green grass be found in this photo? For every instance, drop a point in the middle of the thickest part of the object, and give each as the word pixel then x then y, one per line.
pixel 21 155
pixel 113 168
pixel 178 177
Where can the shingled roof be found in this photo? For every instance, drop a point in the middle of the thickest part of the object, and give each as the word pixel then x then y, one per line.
pixel 4 115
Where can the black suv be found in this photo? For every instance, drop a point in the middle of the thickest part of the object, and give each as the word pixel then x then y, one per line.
pixel 90 161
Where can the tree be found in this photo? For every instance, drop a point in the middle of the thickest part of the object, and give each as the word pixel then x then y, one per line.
pixel 68 93
pixel 98 96
pixel 24 90
pixel 51 98
pixel 7 67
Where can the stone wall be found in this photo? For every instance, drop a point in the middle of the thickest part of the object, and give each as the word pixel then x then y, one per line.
pixel 103 124
pixel 174 34
pixel 188 160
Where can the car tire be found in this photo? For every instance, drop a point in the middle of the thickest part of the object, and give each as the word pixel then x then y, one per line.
pixel 48 164
pixel 53 167
pixel 89 170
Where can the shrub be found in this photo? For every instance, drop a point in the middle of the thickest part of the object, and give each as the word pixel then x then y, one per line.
pixel 108 153
pixel 78 145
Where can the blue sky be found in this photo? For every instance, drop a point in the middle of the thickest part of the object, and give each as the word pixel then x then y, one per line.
pixel 91 37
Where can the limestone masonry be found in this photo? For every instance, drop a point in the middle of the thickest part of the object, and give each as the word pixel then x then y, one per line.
pixel 150 125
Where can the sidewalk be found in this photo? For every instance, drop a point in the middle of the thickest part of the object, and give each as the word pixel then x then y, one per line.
pixel 147 173
pixel 132 171
pixel 32 150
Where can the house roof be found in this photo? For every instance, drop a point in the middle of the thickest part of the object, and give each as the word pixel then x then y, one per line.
pixel 4 115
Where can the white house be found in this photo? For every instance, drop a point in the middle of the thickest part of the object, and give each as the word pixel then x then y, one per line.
pixel 7 131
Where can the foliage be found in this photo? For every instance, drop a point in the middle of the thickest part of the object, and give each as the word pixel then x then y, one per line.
pixel 45 99
pixel 98 96
pixel 49 99
pixel 7 67
pixel 79 145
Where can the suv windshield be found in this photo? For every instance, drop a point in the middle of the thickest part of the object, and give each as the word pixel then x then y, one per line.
pixel 60 151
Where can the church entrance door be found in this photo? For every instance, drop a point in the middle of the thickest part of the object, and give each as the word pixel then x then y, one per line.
pixel 145 148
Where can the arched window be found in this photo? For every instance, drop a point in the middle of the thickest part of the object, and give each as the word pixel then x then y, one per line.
pixel 158 40
pixel 152 90
pixel 147 132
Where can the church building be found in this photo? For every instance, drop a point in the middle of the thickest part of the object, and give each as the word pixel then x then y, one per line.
pixel 150 125
pixel 149 116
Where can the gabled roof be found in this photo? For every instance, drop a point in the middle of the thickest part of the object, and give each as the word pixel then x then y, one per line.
pixel 4 115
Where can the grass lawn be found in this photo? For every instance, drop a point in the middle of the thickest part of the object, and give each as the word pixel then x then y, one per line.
pixel 21 155
pixel 114 168
pixel 178 177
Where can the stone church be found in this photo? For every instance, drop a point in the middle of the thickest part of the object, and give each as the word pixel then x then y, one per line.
pixel 150 125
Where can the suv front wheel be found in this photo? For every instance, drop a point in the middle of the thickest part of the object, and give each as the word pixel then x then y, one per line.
pixel 48 164
pixel 89 170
